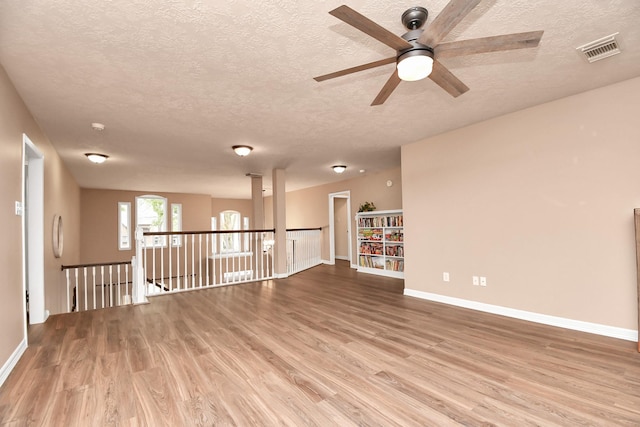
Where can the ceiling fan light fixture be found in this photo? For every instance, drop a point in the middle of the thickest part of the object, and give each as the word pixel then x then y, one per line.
pixel 242 150
pixel 339 168
pixel 415 65
pixel 96 157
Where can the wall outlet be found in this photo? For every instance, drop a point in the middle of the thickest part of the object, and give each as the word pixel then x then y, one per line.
pixel 476 280
pixel 445 276
pixel 483 281
pixel 18 208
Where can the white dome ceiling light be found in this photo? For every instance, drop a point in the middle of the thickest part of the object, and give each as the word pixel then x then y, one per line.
pixel 96 158
pixel 242 150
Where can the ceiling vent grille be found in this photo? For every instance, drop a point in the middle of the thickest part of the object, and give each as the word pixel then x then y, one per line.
pixel 601 48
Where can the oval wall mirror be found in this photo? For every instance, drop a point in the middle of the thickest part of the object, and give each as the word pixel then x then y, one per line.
pixel 58 236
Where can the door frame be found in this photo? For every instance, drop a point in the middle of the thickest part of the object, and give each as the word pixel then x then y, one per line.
pixel 332 240
pixel 33 232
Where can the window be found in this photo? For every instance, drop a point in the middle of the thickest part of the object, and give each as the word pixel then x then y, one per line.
pixel 124 226
pixel 247 237
pixel 176 223
pixel 230 220
pixel 229 243
pixel 151 215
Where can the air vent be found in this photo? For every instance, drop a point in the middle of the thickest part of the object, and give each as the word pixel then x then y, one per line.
pixel 601 48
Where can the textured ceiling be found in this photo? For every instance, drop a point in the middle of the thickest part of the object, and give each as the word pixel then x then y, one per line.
pixel 178 82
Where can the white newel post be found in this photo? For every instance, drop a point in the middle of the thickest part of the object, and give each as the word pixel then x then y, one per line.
pixel 139 285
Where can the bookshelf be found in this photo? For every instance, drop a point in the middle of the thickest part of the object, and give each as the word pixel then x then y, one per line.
pixel 381 243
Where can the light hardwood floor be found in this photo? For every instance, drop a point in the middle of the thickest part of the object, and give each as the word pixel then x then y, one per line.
pixel 326 347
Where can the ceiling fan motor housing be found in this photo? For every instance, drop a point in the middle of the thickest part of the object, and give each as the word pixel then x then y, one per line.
pixel 417 48
pixel 415 17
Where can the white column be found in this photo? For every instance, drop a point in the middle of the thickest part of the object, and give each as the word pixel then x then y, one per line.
pixel 139 288
pixel 257 202
pixel 280 223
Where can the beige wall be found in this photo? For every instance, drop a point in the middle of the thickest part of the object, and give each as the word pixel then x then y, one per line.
pixel 539 201
pixel 61 196
pixel 309 208
pixel 244 206
pixel 99 225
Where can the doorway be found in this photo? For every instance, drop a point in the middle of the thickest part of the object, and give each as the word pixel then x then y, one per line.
pixel 33 232
pixel 340 245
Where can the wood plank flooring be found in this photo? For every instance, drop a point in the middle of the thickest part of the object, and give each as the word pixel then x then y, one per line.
pixel 325 347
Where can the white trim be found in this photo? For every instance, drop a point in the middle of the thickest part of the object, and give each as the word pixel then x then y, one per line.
pixel 327 262
pixel 176 240
pixel 12 361
pixel 343 258
pixel 277 276
pixel 392 212
pixel 33 233
pixel 354 266
pixel 127 206
pixel 332 244
pixel 225 255
pixel 545 319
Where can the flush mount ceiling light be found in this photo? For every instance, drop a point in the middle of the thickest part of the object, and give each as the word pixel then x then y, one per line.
pixel 339 168
pixel 96 157
pixel 242 150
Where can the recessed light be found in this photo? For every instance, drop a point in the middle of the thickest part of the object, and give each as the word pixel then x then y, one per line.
pixel 97 126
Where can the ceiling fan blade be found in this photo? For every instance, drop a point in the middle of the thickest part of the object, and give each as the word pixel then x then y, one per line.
pixel 488 44
pixel 367 26
pixel 388 87
pixel 450 16
pixel 446 80
pixel 355 69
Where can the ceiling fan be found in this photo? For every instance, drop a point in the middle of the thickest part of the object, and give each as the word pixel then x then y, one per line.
pixel 418 52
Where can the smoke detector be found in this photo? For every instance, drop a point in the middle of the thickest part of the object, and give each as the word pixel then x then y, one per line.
pixel 97 126
pixel 601 48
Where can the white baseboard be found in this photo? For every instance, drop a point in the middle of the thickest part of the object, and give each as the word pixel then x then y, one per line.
pixel 354 266
pixel 343 258
pixel 280 275
pixel 576 325
pixel 13 360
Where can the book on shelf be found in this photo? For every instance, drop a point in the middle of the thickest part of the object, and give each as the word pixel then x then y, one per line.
pixel 371 248
pixel 395 265
pixel 381 221
pixel 370 234
pixel 371 261
pixel 378 262
pixel 394 250
pixel 394 236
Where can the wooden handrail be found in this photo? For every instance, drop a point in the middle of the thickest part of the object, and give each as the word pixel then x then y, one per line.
pixel 178 233
pixel 181 233
pixel 101 264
